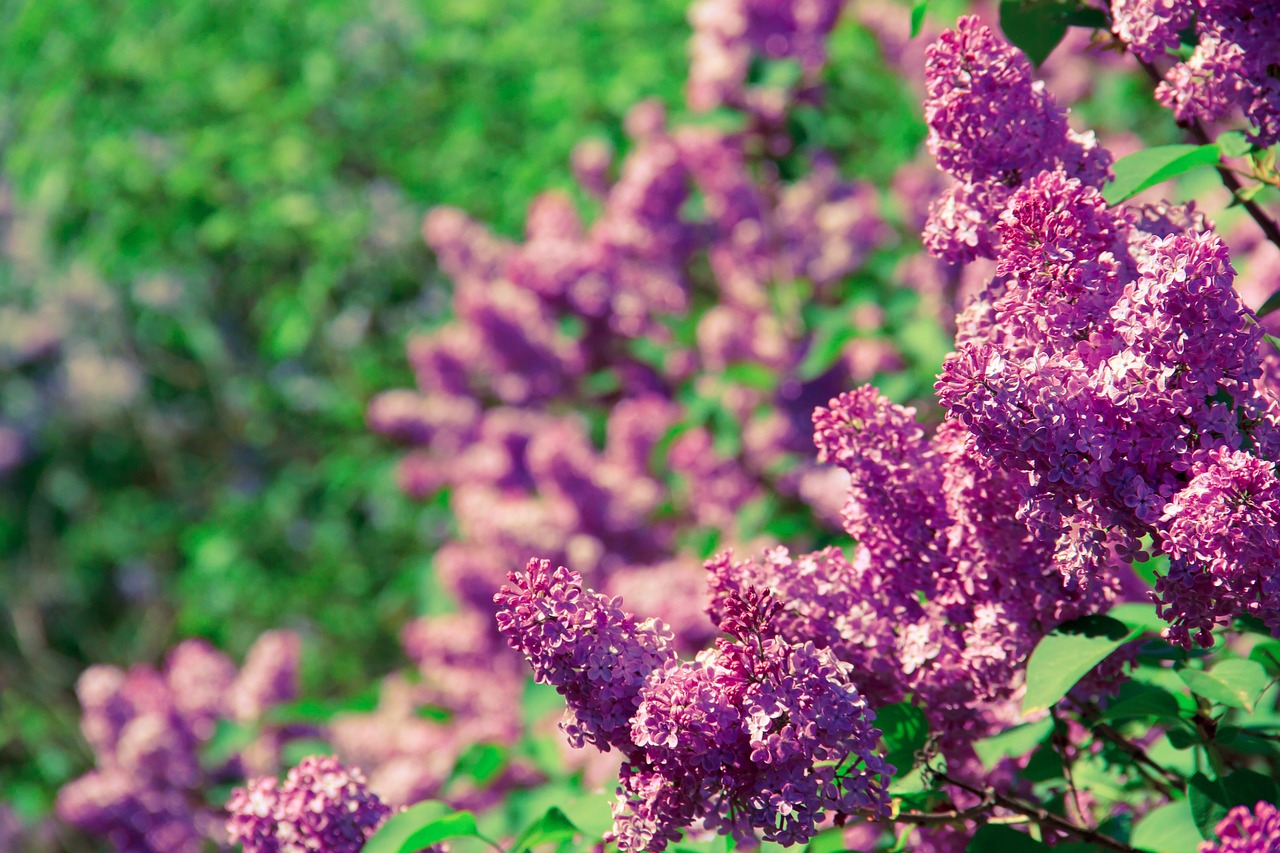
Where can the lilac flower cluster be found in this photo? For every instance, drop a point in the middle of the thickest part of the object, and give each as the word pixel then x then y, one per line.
pixel 1231 68
pixel 645 320
pixel 147 728
pixel 729 35
pixel 596 655
pixel 1222 534
pixel 991 127
pixel 1107 357
pixel 758 734
pixel 321 806
pixel 947 592
pixel 1246 830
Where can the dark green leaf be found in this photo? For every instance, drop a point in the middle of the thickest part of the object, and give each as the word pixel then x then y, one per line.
pixel 1268 655
pixel 552 828
pixel 1272 303
pixel 1013 742
pixel 421 826
pixel 904 731
pixel 825 349
pixel 1034 26
pixel 1235 683
pixel 1067 653
pixel 1141 701
pixel 1150 166
pixel 1211 799
pixel 993 838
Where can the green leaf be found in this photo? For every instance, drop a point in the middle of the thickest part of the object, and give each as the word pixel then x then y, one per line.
pixel 1067 653
pixel 1013 742
pixel 1268 655
pixel 993 838
pixel 904 732
pixel 1234 143
pixel 1211 799
pixel 421 826
pixel 825 349
pixel 1139 615
pixel 1034 26
pixel 1137 701
pixel 1235 683
pixel 752 375
pixel 1272 303
pixel 552 828
pixel 917 17
pixel 481 762
pixel 1150 166
pixel 1245 194
pixel 1168 829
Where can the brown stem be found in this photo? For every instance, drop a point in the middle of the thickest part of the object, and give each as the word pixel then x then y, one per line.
pixel 1232 183
pixel 1169 779
pixel 1038 815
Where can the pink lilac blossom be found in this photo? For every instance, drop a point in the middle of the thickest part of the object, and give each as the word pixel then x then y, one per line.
pixel 147 728
pixel 1231 68
pixel 320 806
pixel 1246 830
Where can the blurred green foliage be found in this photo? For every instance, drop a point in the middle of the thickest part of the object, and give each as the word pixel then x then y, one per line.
pixel 240 185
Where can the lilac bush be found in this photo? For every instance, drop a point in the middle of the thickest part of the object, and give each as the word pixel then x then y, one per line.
pixel 1053 605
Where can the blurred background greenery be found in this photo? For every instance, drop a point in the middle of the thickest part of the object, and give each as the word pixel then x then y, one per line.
pixel 211 217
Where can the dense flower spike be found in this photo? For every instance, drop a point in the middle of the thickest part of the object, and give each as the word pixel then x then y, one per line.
pixel 757 734
pixel 595 654
pixel 1232 66
pixel 992 128
pixel 1222 534
pixel 147 728
pixel 321 806
pixel 1246 830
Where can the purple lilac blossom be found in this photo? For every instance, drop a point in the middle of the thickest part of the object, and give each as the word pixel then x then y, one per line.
pixel 1246 830
pixel 595 654
pixel 321 806
pixel 992 128
pixel 1222 534
pixel 147 728
pixel 1231 68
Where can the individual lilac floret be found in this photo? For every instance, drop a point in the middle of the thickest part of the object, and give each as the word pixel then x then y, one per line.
pixel 1246 830
pixel 756 735
pixel 596 654
pixel 1222 534
pixel 321 806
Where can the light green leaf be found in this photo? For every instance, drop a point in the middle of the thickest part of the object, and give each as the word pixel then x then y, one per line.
pixel 1235 683
pixel 552 828
pixel 1139 615
pixel 421 826
pixel 1067 653
pixel 1168 829
pixel 1151 166
pixel 1013 742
